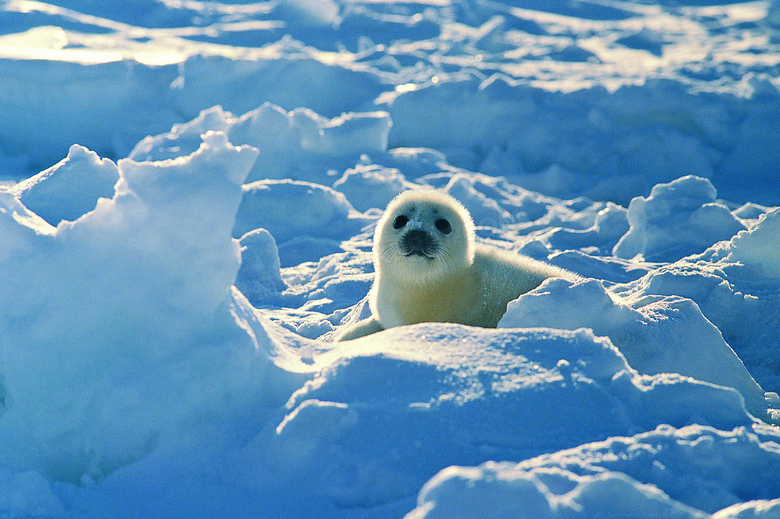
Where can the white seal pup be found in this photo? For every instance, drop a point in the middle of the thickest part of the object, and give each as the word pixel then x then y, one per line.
pixel 429 268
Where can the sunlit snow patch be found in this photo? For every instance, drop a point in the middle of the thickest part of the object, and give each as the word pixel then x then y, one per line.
pixel 123 327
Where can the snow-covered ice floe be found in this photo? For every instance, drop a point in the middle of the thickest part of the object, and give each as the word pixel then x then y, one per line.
pixel 170 286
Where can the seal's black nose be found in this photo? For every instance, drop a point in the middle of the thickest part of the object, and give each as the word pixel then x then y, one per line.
pixel 417 239
pixel 418 243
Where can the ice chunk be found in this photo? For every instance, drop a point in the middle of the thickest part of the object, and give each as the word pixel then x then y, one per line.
pixel 97 340
pixel 656 334
pixel 290 208
pixel 304 145
pixel 677 219
pixel 760 246
pixel 183 139
pixel 464 394
pixel 484 211
pixel 663 473
pixel 301 144
pixel 296 210
pixel 71 187
pixel 737 298
pixel 349 134
pixel 20 227
pixel 504 493
pixel 371 186
pixel 259 277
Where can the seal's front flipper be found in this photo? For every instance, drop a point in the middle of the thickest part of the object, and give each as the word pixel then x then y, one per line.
pixel 359 329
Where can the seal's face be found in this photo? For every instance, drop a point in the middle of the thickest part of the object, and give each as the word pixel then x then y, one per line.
pixel 419 241
pixel 423 234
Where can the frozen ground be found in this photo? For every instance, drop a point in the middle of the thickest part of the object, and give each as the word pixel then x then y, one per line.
pixel 187 198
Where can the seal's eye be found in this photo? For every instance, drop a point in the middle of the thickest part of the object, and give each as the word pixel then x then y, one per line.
pixel 400 221
pixel 443 226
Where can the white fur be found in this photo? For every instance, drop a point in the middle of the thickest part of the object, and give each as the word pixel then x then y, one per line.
pixel 461 282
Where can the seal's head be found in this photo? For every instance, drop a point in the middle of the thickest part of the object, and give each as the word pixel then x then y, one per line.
pixel 423 235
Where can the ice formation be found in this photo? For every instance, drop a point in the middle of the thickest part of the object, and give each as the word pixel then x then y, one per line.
pixel 187 199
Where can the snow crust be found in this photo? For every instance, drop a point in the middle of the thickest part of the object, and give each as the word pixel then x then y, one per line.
pixel 186 216
pixel 757 246
pixel 661 473
pixel 677 219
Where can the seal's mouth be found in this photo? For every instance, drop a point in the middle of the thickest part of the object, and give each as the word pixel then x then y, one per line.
pixel 418 252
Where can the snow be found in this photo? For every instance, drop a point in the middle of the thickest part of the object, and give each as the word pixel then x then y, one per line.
pixel 70 188
pixel 647 331
pixel 188 193
pixel 678 219
pixel 756 246
pixel 662 473
pixel 89 292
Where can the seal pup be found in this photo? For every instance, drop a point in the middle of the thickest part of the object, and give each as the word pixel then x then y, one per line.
pixel 430 269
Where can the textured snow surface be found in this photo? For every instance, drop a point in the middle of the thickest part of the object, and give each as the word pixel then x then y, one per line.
pixel 188 193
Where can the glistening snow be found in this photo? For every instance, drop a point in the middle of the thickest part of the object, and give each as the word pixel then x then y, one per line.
pixel 169 287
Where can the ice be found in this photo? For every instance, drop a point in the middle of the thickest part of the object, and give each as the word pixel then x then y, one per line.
pixel 544 140
pixel 28 494
pixel 757 247
pixel 656 334
pixel 662 473
pixel 283 139
pixel 359 433
pixel 371 186
pixel 323 215
pixel 310 12
pixel 70 188
pixel 730 292
pixel 107 304
pixel 280 73
pixel 757 509
pixel 750 163
pixel 677 219
pixel 506 493
pixel 183 139
pixel 348 134
pixel 188 192
pixel 485 211
pixel 259 277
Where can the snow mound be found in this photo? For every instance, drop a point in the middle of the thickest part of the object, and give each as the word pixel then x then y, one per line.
pixel 100 348
pixel 677 219
pixel 758 246
pixel 284 139
pixel 656 334
pixel 732 283
pixel 362 431
pixel 322 216
pixel 663 473
pixel 70 188
pixel 259 277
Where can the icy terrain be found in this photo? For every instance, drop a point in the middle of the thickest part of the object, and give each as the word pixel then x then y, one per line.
pixel 187 198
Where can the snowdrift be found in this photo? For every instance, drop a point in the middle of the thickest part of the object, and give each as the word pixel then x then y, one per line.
pixel 135 347
pixel 170 286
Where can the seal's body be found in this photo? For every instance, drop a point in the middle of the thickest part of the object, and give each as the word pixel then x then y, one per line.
pixel 429 268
